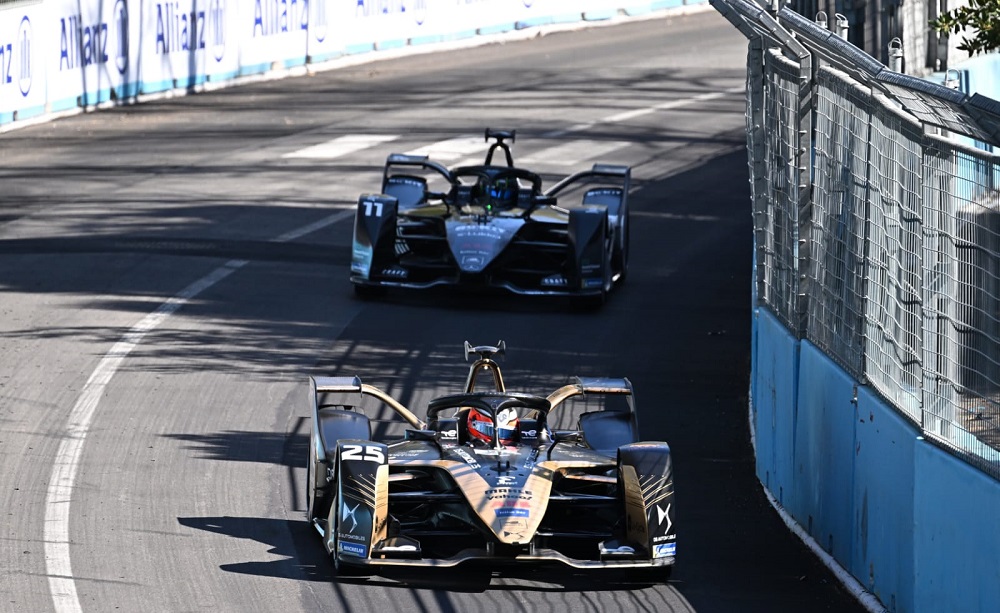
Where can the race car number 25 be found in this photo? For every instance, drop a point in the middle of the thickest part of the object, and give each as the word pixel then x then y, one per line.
pixel 365 453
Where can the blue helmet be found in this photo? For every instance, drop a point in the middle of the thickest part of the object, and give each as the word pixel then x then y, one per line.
pixel 503 193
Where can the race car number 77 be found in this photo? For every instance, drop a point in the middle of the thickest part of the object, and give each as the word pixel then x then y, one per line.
pixel 366 453
pixel 373 206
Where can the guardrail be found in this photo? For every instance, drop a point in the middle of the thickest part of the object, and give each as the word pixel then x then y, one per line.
pixel 876 374
pixel 878 231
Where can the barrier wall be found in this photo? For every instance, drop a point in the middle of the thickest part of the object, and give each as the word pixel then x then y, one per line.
pixel 58 55
pixel 958 553
pixel 844 465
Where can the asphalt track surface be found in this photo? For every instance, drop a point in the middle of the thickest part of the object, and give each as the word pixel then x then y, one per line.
pixel 153 432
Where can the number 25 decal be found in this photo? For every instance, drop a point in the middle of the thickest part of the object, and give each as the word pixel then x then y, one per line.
pixel 373 207
pixel 367 453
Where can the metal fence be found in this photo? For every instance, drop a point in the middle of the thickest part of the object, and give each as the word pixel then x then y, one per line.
pixel 876 200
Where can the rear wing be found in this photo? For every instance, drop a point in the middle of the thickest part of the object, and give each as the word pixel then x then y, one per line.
pixel 596 385
pixel 346 393
pixel 615 423
pixel 612 174
pixel 402 160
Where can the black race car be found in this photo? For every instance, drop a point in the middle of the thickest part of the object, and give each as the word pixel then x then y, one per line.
pixel 492 226
pixel 491 476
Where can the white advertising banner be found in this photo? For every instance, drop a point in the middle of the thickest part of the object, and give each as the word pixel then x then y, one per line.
pixel 88 55
pixel 63 54
pixel 323 43
pixel 272 34
pixel 22 66
pixel 183 43
pixel 364 25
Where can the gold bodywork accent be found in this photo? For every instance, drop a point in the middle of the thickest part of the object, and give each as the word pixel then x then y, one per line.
pixel 485 499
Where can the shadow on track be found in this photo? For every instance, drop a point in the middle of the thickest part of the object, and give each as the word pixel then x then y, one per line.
pixel 305 559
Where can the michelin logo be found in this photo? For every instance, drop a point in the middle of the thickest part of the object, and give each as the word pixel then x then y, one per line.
pixel 353 549
pixel 665 550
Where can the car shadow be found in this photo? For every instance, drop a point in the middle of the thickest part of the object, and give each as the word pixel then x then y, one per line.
pixel 303 558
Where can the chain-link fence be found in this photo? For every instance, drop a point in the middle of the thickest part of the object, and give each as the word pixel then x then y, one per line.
pixel 877 220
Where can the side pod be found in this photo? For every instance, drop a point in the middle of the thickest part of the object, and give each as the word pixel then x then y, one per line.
pixel 646 479
pixel 374 234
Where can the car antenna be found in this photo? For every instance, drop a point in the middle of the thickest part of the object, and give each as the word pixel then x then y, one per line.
pixel 499 136
pixel 485 352
pixel 484 361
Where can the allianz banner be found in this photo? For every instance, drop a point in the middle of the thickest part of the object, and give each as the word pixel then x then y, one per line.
pixel 57 55
pixel 22 74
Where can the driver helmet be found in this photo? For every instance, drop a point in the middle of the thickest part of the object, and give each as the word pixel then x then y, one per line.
pixel 481 426
pixel 503 193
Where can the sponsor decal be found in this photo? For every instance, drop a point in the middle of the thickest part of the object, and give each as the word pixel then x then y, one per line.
pixel 15 58
pixel 216 35
pixel 666 537
pixel 177 30
pixel 508 493
pixel 347 513
pixel 512 504
pixel 121 24
pixel 318 21
pixel 24 50
pixel 499 453
pixel 354 549
pixel 512 512
pixel 272 17
pixel 515 527
pixel 82 44
pixel 473 261
pixel 479 231
pixel 471 461
pixel 375 8
pixel 664 515
pixel 664 550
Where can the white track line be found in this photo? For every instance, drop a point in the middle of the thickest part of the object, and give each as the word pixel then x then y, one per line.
pixel 626 115
pixel 338 147
pixel 62 585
